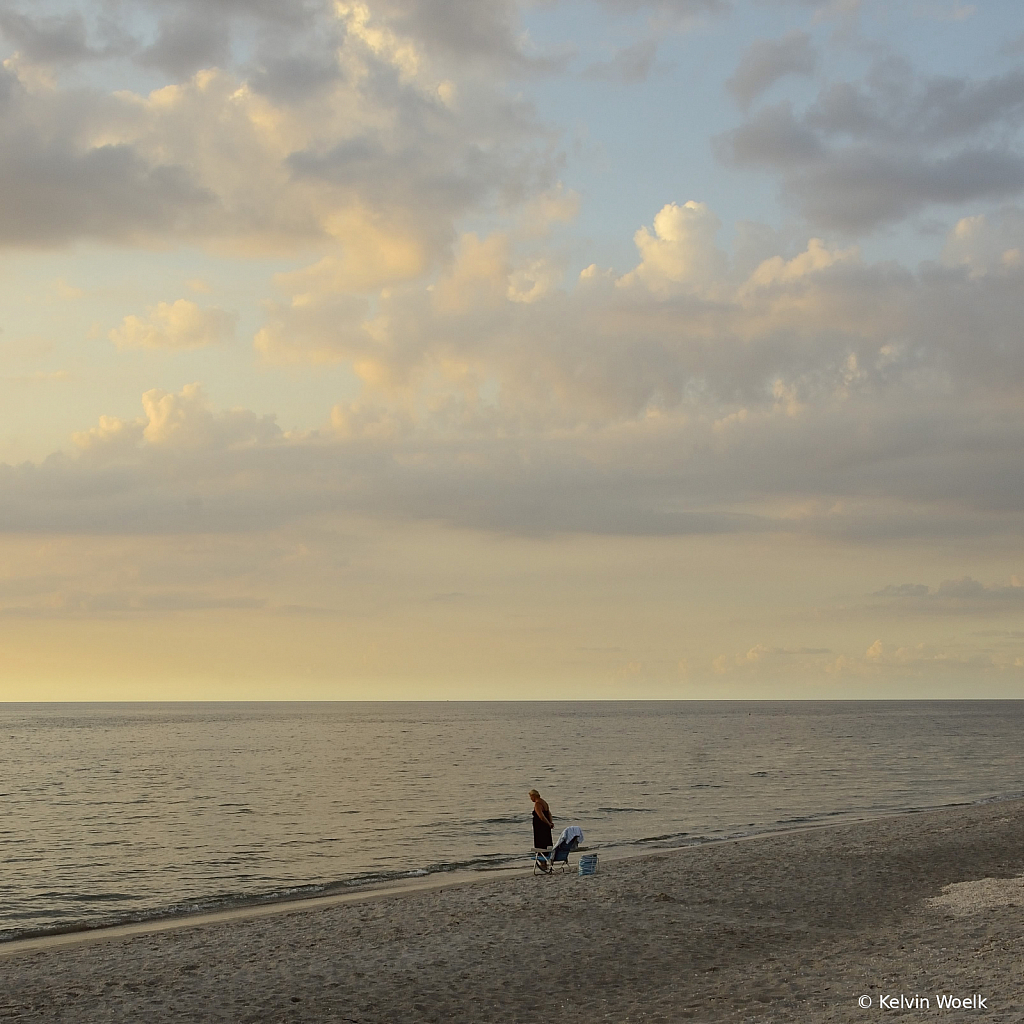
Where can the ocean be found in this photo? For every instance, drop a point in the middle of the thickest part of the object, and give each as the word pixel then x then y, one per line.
pixel 124 812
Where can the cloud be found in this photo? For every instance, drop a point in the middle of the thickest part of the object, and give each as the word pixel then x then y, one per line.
pixel 177 421
pixel 65 604
pixel 864 189
pixel 39 377
pixel 66 291
pixel 902 590
pixel 774 138
pixel 767 61
pixel 681 251
pixel 367 150
pixel 487 34
pixel 56 190
pixel 534 280
pixel 924 657
pixel 864 155
pixel 816 258
pixel 175 325
pixel 558 205
pixel 479 275
pixel 318 329
pixel 987 244
pixel 294 13
pixel 816 382
pixel 670 10
pixel 187 43
pixel 821 321
pixel 110 435
pixel 770 660
pixel 954 596
pixel 50 39
pixel 629 65
pixel 296 78
pixel 182 468
pixel 879 661
pixel 814 394
pixel 323 323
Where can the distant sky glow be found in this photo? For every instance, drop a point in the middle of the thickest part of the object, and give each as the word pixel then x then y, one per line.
pixel 480 348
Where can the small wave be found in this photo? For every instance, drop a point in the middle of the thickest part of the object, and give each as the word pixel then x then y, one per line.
pixel 625 810
pixel 1000 798
pixel 665 838
pixel 99 897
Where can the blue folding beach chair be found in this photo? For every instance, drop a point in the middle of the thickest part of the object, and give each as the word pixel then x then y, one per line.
pixel 546 861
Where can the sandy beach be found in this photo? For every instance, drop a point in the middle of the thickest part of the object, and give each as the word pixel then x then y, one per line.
pixel 792 927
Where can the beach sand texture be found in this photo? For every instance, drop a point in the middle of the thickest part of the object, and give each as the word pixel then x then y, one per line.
pixel 792 927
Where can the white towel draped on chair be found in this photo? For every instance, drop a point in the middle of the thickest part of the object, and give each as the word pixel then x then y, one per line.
pixel 571 833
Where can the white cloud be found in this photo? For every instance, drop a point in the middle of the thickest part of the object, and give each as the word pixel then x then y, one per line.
pixel 383 43
pixel 177 420
pixel 558 205
pixel 533 280
pixel 987 243
pixel 681 253
pixel 479 275
pixel 317 328
pixel 175 325
pixel 110 436
pixel 815 258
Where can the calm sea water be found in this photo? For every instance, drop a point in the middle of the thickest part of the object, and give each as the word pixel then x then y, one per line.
pixel 113 812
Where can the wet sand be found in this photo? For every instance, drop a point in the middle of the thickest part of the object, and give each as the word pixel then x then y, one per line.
pixel 792 927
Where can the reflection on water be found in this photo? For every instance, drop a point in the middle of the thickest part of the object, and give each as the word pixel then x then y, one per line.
pixel 118 810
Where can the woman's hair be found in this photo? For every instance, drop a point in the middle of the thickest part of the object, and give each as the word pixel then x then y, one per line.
pixel 534 793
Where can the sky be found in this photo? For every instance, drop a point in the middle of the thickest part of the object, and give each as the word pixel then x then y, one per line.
pixel 517 349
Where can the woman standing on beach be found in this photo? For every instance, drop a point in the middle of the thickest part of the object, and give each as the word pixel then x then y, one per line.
pixel 542 821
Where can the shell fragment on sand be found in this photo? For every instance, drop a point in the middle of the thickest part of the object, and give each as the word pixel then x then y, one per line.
pixel 965 898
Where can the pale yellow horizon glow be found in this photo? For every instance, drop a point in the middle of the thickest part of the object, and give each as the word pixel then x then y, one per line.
pixel 419 612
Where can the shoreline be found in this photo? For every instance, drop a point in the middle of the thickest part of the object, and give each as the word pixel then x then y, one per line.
pixel 414 885
pixel 791 930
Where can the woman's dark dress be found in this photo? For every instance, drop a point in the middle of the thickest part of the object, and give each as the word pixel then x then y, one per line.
pixel 541 832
